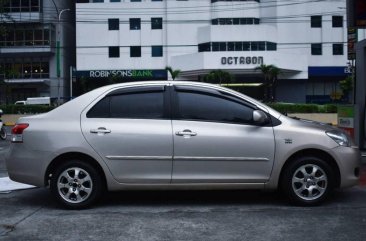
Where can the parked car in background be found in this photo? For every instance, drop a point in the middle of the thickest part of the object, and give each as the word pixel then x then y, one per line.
pixel 35 101
pixel 172 135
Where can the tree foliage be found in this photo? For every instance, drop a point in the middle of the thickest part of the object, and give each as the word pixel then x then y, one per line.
pixel 174 73
pixel 346 85
pixel 218 76
pixel 270 74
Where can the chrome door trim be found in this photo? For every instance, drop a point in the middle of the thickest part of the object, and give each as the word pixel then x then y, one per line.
pixel 142 158
pixel 183 158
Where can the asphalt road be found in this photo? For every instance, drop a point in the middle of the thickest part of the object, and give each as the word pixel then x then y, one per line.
pixel 185 215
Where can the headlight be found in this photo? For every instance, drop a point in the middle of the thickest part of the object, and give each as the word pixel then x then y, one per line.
pixel 339 137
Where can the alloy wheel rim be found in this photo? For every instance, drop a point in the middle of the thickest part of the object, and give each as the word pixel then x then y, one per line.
pixel 74 185
pixel 309 182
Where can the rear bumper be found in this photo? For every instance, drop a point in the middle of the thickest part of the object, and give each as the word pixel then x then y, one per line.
pixel 349 162
pixel 26 166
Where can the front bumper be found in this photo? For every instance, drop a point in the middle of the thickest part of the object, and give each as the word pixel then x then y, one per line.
pixel 349 162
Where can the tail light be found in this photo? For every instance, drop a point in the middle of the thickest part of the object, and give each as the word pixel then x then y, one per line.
pixel 17 132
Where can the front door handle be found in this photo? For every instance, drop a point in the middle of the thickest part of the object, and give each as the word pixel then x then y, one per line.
pixel 100 130
pixel 186 133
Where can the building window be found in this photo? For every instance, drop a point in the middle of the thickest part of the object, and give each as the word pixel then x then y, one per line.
pixel 219 46
pixel 26 36
pixel 316 49
pixel 135 51
pixel 16 6
pixel 237 46
pixel 235 21
pixel 113 24
pixel 230 46
pixel 204 47
pixel 157 51
pixel 337 21
pixel 261 46
pixel 34 69
pixel 115 1
pixel 254 46
pixel 114 52
pixel 98 1
pixel 215 47
pixel 271 46
pixel 337 49
pixel 135 23
pixel 316 21
pixel 246 46
pixel 156 23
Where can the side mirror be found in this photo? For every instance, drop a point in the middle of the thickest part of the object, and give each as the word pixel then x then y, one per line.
pixel 260 118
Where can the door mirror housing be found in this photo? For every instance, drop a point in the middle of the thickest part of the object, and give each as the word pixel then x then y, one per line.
pixel 260 118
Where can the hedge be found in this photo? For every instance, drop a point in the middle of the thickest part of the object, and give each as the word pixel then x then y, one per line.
pixel 303 108
pixel 25 109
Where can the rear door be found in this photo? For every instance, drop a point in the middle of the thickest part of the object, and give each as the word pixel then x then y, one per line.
pixel 215 139
pixel 131 130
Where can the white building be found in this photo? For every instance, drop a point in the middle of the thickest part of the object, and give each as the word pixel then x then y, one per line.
pixel 28 53
pixel 137 39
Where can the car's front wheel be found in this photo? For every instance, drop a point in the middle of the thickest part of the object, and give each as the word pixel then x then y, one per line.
pixel 308 181
pixel 76 184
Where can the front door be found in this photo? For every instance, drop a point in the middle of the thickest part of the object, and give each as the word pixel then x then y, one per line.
pixel 215 139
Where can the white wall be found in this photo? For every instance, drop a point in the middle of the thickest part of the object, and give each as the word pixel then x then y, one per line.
pixel 188 23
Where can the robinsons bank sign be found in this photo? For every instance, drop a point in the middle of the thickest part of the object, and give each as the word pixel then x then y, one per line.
pixel 125 74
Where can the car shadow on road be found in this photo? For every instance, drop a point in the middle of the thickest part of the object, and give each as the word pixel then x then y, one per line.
pixel 227 197
pixel 41 197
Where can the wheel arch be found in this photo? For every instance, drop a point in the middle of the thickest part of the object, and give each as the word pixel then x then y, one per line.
pixel 316 153
pixel 73 155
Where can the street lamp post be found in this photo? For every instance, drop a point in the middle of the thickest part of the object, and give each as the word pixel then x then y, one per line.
pixel 58 53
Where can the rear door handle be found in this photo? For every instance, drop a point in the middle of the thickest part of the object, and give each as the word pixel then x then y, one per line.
pixel 186 133
pixel 100 130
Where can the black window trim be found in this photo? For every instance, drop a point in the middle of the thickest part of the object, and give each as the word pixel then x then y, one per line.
pixel 133 90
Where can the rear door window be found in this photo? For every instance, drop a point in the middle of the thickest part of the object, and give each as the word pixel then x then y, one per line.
pixel 135 104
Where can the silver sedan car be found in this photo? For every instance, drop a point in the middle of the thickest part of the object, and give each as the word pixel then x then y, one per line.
pixel 174 135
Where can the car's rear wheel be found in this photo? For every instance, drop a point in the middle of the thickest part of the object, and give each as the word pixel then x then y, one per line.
pixel 308 181
pixel 76 184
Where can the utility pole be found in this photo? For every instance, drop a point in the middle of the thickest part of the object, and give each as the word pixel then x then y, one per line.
pixel 58 54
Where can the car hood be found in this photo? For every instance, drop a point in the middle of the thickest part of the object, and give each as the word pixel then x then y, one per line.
pixel 308 123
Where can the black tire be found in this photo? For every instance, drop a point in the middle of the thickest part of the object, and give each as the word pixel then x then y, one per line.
pixel 76 192
pixel 3 133
pixel 307 189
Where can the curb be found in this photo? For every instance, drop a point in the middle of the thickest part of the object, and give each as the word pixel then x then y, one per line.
pixel 9 124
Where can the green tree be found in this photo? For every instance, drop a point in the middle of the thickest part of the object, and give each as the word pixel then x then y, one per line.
pixel 219 76
pixel 270 74
pixel 346 85
pixel 274 73
pixel 174 73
